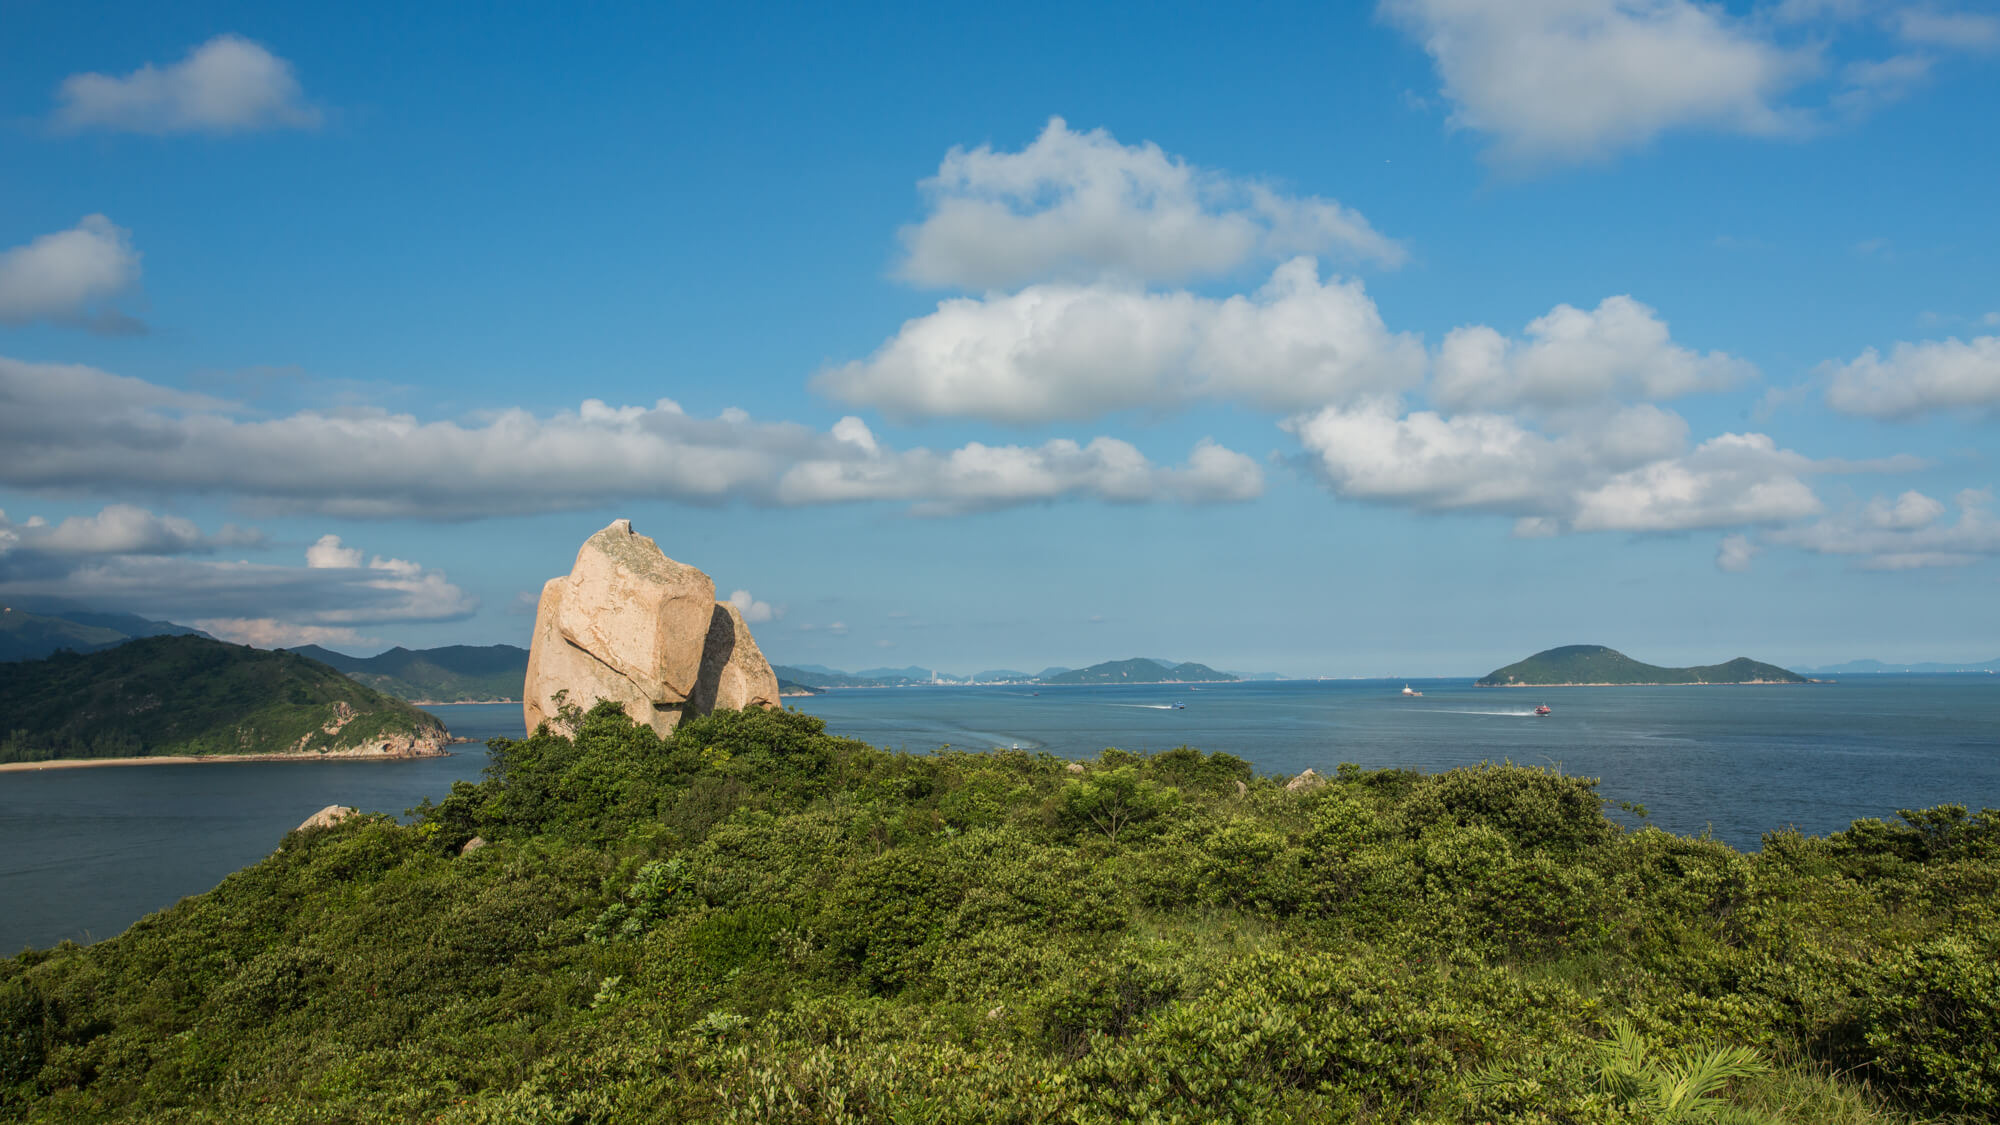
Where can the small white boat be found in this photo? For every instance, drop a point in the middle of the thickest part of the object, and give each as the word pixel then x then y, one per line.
pixel 1411 694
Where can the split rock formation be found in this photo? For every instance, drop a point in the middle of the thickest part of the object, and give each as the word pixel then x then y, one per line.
pixel 631 625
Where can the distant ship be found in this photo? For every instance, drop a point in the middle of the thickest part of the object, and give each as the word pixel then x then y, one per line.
pixel 1411 694
pixel 1542 710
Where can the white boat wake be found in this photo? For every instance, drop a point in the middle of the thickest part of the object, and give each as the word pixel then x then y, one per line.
pixel 1449 711
pixel 1146 706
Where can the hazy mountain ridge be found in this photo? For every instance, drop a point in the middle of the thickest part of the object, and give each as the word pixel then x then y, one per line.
pixel 1922 668
pixel 31 629
pixel 452 674
pixel 1138 670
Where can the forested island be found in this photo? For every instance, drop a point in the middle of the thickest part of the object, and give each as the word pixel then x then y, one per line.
pixel 753 920
pixel 1598 666
pixel 173 696
pixel 1140 671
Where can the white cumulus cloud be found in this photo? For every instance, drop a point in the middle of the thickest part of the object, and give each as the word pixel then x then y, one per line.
pixel 1917 378
pixel 1909 532
pixel 117 529
pixel 1565 80
pixel 226 85
pixel 1730 480
pixel 752 610
pixel 1619 349
pixel 1080 206
pixel 1629 470
pixel 69 276
pixel 1062 351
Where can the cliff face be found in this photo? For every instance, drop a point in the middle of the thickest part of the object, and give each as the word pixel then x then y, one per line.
pixel 631 625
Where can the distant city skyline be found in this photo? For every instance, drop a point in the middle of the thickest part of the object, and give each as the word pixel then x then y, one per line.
pixel 1394 341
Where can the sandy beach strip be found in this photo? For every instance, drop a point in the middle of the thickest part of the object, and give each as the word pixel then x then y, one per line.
pixel 207 759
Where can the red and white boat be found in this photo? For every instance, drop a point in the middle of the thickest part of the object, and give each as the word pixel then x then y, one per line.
pixel 1543 710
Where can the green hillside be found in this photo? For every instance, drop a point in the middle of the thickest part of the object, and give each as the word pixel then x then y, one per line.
pixel 1595 664
pixel 1140 671
pixel 753 921
pixel 190 695
pixel 453 674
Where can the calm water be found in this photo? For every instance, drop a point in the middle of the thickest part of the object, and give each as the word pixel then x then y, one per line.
pixel 1737 761
pixel 84 853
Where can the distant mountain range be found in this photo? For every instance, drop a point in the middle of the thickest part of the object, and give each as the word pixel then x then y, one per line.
pixel 453 674
pixel 33 629
pixel 1591 665
pixel 1139 670
pixel 1877 667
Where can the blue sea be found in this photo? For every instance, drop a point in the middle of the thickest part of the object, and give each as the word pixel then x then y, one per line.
pixel 86 852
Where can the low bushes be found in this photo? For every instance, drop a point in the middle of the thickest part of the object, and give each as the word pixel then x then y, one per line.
pixel 753 920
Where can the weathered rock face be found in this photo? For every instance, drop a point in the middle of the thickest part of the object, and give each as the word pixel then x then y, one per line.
pixel 734 673
pixel 631 625
pixel 325 818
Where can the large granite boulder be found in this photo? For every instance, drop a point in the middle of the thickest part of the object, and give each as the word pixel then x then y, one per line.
pixel 631 625
pixel 325 818
pixel 734 673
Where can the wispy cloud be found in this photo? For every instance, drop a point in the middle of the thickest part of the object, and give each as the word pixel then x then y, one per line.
pixel 78 428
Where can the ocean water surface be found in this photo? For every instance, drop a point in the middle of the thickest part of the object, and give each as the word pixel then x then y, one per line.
pixel 86 852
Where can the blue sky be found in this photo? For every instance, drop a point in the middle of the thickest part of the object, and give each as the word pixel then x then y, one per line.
pixel 1341 339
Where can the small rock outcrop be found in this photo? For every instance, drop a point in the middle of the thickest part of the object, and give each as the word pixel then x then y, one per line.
pixel 631 625
pixel 326 817
pixel 1306 780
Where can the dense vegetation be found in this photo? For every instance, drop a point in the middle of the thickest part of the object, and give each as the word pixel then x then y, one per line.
pixel 452 674
pixel 755 921
pixel 1595 664
pixel 188 695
